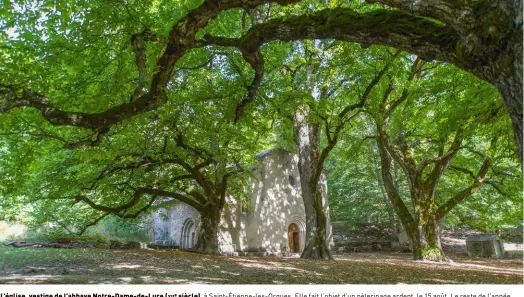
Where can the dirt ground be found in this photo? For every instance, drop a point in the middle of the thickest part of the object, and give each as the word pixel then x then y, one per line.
pixel 103 266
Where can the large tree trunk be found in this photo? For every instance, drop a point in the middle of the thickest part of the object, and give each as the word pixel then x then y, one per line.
pixel 423 229
pixel 316 223
pixel 208 234
pixel 509 84
pixel 513 101
pixel 426 240
pixel 424 235
pixel 425 243
pixel 505 71
pixel 308 138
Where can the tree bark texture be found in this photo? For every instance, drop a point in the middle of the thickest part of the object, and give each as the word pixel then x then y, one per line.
pixel 308 138
pixel 208 230
pixel 428 246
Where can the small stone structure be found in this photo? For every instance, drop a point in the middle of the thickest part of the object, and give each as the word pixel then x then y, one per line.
pixel 489 246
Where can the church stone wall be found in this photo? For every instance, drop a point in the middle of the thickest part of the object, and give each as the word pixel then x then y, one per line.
pixel 172 223
pixel 276 202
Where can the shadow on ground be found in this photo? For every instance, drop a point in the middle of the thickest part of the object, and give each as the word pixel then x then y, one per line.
pixel 99 266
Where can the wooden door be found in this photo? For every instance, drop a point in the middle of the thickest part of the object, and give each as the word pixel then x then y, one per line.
pixel 296 248
pixel 293 239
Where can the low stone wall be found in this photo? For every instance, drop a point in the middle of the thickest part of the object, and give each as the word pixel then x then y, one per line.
pixel 362 239
pixel 367 238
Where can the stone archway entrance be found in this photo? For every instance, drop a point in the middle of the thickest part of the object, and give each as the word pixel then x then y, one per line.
pixel 187 234
pixel 296 234
pixel 293 237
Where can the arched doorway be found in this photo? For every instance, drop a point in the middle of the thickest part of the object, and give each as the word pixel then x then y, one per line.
pixel 187 234
pixel 295 223
pixel 293 237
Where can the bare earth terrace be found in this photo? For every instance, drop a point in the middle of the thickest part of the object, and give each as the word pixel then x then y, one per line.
pixel 102 266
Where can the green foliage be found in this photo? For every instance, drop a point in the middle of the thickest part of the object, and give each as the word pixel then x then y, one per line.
pixel 115 228
pixel 79 54
pixel 355 189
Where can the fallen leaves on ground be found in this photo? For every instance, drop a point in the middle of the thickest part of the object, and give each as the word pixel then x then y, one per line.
pixel 100 266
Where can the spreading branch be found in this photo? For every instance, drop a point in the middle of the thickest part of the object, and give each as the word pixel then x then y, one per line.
pixel 180 39
pixel 137 196
pixel 460 196
pixel 427 39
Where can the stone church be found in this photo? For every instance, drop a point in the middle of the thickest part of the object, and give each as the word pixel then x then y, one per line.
pixel 272 223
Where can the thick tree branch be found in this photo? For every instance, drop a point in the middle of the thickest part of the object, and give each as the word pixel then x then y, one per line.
pixel 441 162
pixel 139 192
pixel 389 185
pixel 124 216
pixel 256 60
pixel 463 170
pixel 402 30
pixel 13 96
pixel 92 223
pixel 138 212
pixel 134 201
pixel 408 169
pixel 449 12
pixel 179 197
pixel 195 171
pixel 196 194
pixel 196 152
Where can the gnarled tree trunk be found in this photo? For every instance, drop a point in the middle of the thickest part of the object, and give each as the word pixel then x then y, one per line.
pixel 316 223
pixel 426 238
pixel 425 241
pixel 208 234
pixel 308 138
pixel 509 83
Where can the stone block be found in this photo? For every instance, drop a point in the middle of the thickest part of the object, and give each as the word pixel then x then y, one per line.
pixel 488 246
